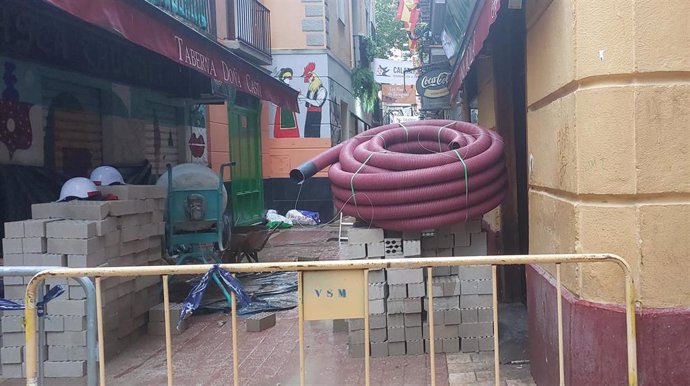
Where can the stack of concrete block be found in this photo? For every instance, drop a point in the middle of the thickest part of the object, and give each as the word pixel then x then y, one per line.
pixel 378 292
pixel 462 303
pixel 81 234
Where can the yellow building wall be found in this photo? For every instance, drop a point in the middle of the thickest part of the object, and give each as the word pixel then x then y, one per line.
pixel 340 39
pixel 218 136
pixel 286 17
pixel 608 106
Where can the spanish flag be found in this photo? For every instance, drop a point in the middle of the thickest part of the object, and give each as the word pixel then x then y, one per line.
pixel 408 13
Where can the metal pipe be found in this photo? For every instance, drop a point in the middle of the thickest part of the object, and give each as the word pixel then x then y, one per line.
pixel 168 337
pixel 367 351
pixel 494 301
pixel 101 340
pixel 89 290
pixel 432 327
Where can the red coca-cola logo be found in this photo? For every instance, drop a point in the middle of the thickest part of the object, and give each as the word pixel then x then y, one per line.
pixel 197 145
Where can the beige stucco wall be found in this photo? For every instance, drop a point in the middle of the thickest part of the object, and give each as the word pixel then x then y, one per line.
pixel 608 95
pixel 286 19
pixel 339 36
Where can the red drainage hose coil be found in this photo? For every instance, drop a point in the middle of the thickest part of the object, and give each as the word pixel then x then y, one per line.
pixel 415 176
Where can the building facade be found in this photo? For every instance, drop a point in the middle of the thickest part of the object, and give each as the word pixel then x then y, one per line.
pixel 312 51
pixel 592 100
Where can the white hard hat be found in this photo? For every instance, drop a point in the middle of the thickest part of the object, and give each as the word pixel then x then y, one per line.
pixel 106 175
pixel 78 187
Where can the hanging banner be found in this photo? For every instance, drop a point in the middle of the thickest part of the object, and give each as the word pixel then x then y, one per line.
pixel 393 71
pixel 399 94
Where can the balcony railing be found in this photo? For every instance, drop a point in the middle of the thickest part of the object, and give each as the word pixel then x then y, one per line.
pixel 250 22
pixel 199 14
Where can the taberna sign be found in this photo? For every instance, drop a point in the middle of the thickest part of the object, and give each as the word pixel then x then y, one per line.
pixel 433 83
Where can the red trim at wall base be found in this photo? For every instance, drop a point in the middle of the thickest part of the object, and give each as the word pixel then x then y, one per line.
pixel 594 339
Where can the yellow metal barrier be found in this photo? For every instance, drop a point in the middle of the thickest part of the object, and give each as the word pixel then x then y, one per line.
pixel 355 308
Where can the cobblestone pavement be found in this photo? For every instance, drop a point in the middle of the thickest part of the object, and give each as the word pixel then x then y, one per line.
pixel 478 370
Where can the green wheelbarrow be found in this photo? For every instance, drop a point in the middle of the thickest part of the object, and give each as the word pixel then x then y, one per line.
pixel 194 225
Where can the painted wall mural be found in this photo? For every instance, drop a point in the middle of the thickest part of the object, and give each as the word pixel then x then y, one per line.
pixel 313 119
pixel 15 123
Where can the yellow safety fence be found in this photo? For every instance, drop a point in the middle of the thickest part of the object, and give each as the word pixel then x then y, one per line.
pixel 349 279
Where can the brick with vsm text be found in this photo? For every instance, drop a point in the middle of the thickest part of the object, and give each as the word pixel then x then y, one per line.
pixel 364 235
pixel 12 246
pixel 405 275
pixel 64 369
pixel 413 320
pixel 14 230
pixel 76 246
pixel 396 334
pixel 10 355
pixel 71 229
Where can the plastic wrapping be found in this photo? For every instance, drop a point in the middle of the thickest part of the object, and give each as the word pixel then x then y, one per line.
pixel 54 292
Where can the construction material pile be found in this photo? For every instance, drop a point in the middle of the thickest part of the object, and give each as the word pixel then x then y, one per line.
pixel 81 234
pixel 416 176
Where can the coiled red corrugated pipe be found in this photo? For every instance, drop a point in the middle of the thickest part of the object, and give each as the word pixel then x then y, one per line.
pixel 415 176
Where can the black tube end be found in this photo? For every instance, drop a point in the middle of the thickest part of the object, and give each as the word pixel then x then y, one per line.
pixel 302 172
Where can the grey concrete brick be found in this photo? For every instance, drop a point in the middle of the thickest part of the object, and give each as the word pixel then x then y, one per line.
pixel 451 345
pixel 485 287
pixel 441 332
pixel 469 315
pixel 377 276
pixel 85 210
pixel 377 335
pixel 76 246
pixel 411 306
pixel 12 355
pixel 451 286
pixel 76 293
pixel 376 249
pixel 440 271
pixel 396 334
pixel 475 301
pixel 14 230
pixel 469 287
pixel 67 353
pixel 444 242
pixel 14 292
pixel 340 325
pixel 414 347
pixel 444 252
pixel 313 10
pixel 478 246
pixel 260 322
pixel 395 320
pixel 405 275
pixel 75 323
pixel 377 306
pixel 12 246
pixel 103 227
pixel 452 316
pixel 13 259
pixel 379 350
pixel 443 303
pixel 71 229
pixel 64 369
pixel 54 323
pixel 36 228
pixel 438 317
pixel 416 290
pixel 396 348
pixel 438 346
pixel 356 324
pixel 158 328
pixel 13 280
pixel 13 338
pixel 47 259
pixel 486 344
pixel 485 315
pixel 378 291
pixel 353 251
pixel 413 333
pixel 396 306
pixel 94 259
pixel 392 247
pixel 437 286
pixel 66 307
pixel 411 235
pixel 13 371
pixel 469 345
pixel 378 321
pixel 397 291
pixel 356 337
pixel 364 235
pixel 476 330
pixel 413 320
pixel 125 207
pixel 356 350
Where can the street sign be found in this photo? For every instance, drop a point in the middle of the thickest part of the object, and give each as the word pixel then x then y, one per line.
pixel 329 295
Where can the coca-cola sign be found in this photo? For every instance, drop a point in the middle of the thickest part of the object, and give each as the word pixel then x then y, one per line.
pixel 434 83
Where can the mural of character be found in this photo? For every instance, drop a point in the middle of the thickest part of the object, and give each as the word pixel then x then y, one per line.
pixel 15 126
pixel 285 121
pixel 314 101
